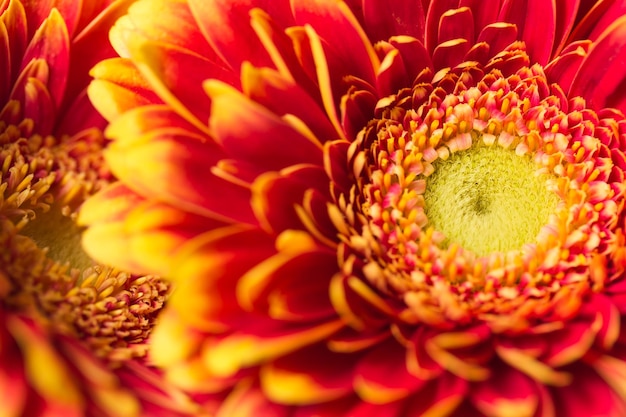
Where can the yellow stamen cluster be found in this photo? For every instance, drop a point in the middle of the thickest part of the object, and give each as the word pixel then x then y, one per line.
pixel 447 273
pixel 43 182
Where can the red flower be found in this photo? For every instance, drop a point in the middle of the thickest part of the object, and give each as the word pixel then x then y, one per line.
pixel 404 208
pixel 70 330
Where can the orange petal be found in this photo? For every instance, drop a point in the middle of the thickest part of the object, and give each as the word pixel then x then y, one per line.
pixel 241 350
pixel 335 24
pixel 309 376
pixel 51 43
pixel 118 87
pixel 252 133
pixel 174 165
pixel 226 26
pixel 209 267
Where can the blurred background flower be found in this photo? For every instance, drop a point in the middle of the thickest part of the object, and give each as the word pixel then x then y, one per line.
pixel 374 208
pixel 72 332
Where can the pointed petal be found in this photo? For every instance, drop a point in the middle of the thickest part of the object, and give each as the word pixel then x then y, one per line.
pixel 382 375
pixel 564 67
pixel 308 376
pixel 341 33
pixel 252 133
pixel 275 196
pixel 505 391
pixel 51 43
pixel 208 267
pixel 174 164
pixel 133 235
pixel 91 46
pixel 601 78
pixel 118 87
pixel 282 96
pixel 166 68
pixel 14 19
pixel 528 15
pixel 226 26
pixel 271 340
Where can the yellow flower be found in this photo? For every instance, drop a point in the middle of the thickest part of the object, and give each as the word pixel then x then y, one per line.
pixel 374 208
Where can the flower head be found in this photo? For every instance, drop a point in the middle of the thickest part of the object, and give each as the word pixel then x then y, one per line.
pixel 72 332
pixel 400 208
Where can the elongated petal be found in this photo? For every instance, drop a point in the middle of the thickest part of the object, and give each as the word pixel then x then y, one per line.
pixel 254 134
pixel 118 86
pixel 308 376
pixel 183 164
pixel 404 18
pixel 51 43
pixel 600 78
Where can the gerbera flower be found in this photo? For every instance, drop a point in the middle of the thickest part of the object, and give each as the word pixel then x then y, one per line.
pixel 374 208
pixel 65 322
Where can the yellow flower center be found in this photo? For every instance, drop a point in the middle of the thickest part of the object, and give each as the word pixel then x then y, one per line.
pixel 483 200
pixel 488 199
pixel 60 235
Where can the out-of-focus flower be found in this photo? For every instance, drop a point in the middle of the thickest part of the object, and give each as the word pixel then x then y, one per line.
pixel 374 208
pixel 68 327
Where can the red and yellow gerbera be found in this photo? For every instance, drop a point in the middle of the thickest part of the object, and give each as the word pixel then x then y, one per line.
pixel 70 330
pixel 374 208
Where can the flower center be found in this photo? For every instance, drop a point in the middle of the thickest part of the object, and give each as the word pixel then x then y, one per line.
pixel 483 199
pixel 488 199
pixel 60 235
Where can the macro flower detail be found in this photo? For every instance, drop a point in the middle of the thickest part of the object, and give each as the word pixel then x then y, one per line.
pixel 413 208
pixel 72 332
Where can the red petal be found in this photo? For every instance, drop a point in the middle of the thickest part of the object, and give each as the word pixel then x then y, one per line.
pixel 433 17
pixel 119 87
pixel 507 389
pixel 51 44
pixel 498 36
pixel 174 164
pixel 252 133
pixel 384 19
pixel 382 376
pixel 37 11
pixel 414 55
pixel 392 75
pixel 529 15
pixel 166 68
pixel 38 106
pixel 440 397
pixel 451 53
pixel 261 341
pixel 275 196
pixel 601 79
pixel 564 67
pixel 341 33
pixel 226 26
pixel 282 96
pixel 91 46
pixel 14 19
pixel 566 11
pixel 310 375
pixel 274 277
pixel 456 24
pixel 589 395
pixel 247 401
pixel 485 12
pixel 209 267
